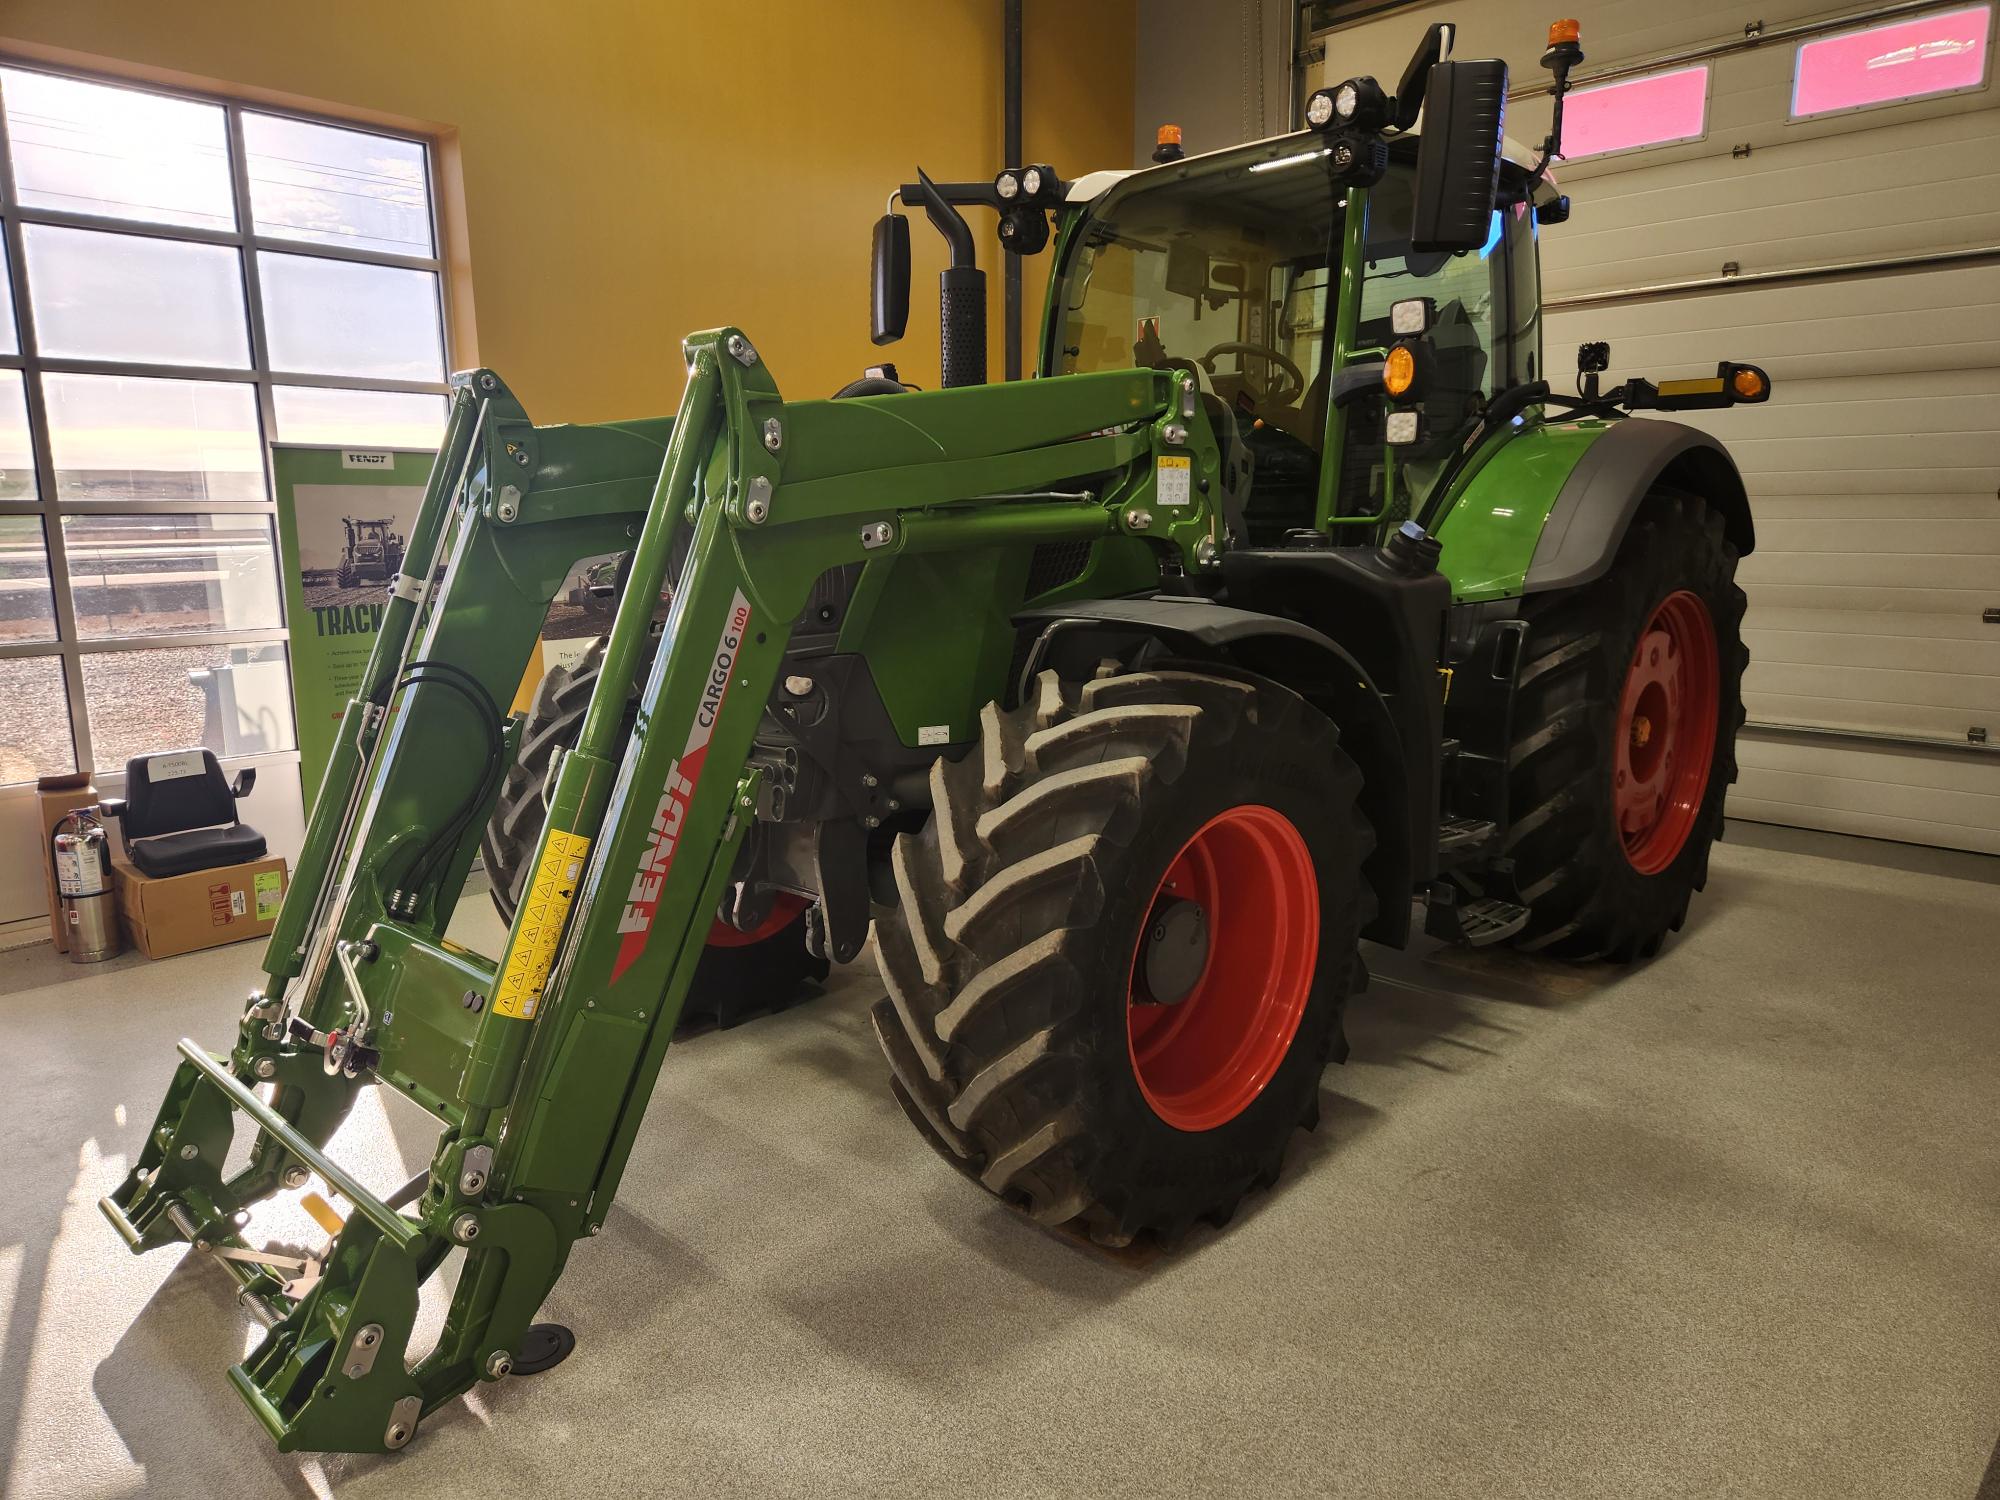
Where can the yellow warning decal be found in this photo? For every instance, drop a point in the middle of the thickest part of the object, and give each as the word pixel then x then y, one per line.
pixel 544 907
pixel 1174 479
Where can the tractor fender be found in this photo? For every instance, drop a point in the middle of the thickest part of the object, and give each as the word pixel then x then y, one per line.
pixel 1310 663
pixel 1603 492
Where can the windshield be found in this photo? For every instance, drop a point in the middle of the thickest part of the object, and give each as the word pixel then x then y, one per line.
pixel 1223 272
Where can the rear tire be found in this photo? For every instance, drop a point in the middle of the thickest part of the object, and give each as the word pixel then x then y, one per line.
pixel 1018 1027
pixel 1606 878
pixel 733 983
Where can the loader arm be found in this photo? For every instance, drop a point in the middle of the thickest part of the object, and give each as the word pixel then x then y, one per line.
pixel 539 1064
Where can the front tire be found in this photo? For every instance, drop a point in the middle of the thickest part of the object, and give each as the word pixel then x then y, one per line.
pixel 1625 717
pixel 1022 960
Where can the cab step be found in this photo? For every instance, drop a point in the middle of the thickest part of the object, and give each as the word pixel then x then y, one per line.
pixel 1459 838
pixel 1458 916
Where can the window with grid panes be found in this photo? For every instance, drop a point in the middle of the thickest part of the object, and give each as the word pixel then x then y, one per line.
pixel 184 279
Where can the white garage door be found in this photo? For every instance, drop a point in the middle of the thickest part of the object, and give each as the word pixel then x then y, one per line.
pixel 1856 256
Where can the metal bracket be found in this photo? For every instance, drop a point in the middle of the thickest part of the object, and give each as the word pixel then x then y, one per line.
pixel 361 1351
pixel 473 1170
pixel 403 1421
pixel 407 587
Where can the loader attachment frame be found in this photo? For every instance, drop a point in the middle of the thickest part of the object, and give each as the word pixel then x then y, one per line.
pixel 539 1065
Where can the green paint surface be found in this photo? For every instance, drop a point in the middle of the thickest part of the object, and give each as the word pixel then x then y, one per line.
pixel 1496 512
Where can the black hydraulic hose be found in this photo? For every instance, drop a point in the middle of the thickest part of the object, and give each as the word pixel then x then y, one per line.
pixel 446 675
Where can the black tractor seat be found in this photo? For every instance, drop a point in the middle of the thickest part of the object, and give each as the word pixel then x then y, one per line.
pixel 179 814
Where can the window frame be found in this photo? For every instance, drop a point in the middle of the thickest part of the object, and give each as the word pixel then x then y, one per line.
pixel 1703 66
pixel 1793 117
pixel 246 243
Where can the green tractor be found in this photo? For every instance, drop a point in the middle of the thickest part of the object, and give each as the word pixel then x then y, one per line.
pixel 373 554
pixel 1120 705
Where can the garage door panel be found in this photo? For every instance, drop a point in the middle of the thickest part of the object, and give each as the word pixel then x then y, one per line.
pixel 1873 687
pixel 1879 798
pixel 1823 533
pixel 1775 508
pixel 1972 575
pixel 1887 651
pixel 1940 725
pixel 1945 833
pixel 1863 621
pixel 1870 598
pixel 1909 189
pixel 1966 771
pixel 1937 322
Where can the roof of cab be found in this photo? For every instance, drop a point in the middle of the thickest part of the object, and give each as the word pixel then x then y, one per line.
pixel 1093 185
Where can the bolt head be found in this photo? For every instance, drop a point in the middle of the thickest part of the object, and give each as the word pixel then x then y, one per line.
pixel 1139 520
pixel 295 1176
pixel 465 1228
pixel 488 383
pixel 190 1151
pixel 499 1365
pixel 265 1067
pixel 740 350
pixel 774 434
pixel 1174 433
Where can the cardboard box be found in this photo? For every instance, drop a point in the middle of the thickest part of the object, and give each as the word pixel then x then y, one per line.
pixel 172 914
pixel 56 804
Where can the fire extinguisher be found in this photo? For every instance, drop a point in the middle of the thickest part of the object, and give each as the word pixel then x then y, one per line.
pixel 83 885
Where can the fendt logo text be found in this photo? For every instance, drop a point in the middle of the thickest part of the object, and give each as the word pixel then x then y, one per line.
pixel 663 835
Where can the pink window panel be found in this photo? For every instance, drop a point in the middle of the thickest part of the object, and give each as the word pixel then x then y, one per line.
pixel 1646 111
pixel 1930 55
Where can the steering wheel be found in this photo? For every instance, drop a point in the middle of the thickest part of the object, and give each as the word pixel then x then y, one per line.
pixel 1276 395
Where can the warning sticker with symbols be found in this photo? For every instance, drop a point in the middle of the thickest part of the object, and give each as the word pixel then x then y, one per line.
pixel 544 906
pixel 1174 479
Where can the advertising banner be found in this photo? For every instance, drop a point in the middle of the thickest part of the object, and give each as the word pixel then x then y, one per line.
pixel 343 517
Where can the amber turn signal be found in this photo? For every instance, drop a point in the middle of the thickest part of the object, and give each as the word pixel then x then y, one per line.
pixel 1748 383
pixel 1399 370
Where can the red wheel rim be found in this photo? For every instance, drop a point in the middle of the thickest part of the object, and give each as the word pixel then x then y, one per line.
pixel 784 907
pixel 1201 1062
pixel 1666 732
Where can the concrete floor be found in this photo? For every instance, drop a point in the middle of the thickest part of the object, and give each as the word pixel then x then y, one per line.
pixel 1725 1225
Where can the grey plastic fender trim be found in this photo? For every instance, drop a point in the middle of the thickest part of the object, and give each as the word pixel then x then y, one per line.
pixel 1603 492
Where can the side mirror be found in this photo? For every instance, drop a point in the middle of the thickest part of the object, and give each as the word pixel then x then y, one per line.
pixel 889 304
pixel 1458 156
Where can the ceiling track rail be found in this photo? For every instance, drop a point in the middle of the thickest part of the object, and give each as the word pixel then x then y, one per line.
pixel 1749 41
pixel 1928 261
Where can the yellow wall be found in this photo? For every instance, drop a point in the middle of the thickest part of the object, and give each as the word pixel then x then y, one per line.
pixel 631 171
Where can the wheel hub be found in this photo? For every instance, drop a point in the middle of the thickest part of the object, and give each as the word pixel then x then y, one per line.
pixel 1176 951
pixel 1222 968
pixel 1666 732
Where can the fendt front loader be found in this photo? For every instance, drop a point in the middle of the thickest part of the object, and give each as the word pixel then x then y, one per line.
pixel 1120 704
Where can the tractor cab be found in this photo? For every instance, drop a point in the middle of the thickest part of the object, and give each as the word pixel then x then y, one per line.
pixel 1219 266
